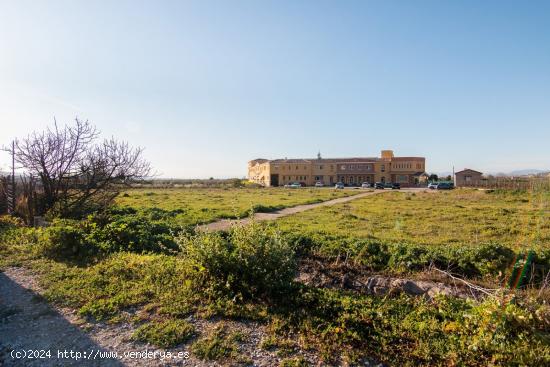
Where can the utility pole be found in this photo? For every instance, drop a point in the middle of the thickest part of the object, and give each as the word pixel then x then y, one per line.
pixel 454 174
pixel 11 188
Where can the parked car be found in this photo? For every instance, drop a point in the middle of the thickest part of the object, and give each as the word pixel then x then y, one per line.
pixel 380 186
pixel 445 186
pixel 432 185
pixel 319 184
pixel 339 185
pixel 394 186
pixel 293 185
pixel 366 185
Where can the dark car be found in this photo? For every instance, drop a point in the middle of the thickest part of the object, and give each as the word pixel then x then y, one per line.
pixel 394 186
pixel 445 186
pixel 380 186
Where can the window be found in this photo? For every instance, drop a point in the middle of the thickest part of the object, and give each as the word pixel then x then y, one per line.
pixel 321 167
pixel 402 178
pixel 383 168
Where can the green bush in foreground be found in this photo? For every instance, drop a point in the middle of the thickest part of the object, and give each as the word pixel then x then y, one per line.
pixel 485 260
pixel 408 331
pixel 339 325
pixel 251 262
pixel 145 231
pixel 165 333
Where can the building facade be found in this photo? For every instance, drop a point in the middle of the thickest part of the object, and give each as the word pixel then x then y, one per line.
pixel 468 177
pixel 407 171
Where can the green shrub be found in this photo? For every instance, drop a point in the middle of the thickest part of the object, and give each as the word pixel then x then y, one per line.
pixel 9 222
pixel 118 229
pixel 134 233
pixel 489 259
pixel 165 333
pixel 252 261
pixel 414 331
pixel 66 239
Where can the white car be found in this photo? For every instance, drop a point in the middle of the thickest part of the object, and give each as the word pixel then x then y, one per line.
pixel 294 185
pixel 319 184
pixel 366 185
pixel 432 185
pixel 339 185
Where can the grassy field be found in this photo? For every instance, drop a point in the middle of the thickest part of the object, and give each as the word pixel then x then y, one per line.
pixel 123 266
pixel 203 205
pixel 461 217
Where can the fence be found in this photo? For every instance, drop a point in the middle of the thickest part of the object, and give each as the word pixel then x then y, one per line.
pixel 3 195
pixel 510 183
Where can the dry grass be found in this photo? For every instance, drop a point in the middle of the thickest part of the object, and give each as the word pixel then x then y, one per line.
pixel 470 217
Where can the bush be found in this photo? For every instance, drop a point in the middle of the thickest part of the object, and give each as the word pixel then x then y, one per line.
pixel 252 261
pixel 414 331
pixel 66 239
pixel 134 233
pixel 119 229
pixel 9 222
pixel 489 259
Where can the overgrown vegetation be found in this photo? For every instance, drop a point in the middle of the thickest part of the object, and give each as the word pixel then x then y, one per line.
pixel 99 234
pixel 470 233
pixel 142 262
pixel 220 344
pixel 165 333
pixel 467 217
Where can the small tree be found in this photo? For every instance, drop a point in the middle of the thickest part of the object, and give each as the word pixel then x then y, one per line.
pixel 433 177
pixel 76 173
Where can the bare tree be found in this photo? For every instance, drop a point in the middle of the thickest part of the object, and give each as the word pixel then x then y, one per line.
pixel 77 173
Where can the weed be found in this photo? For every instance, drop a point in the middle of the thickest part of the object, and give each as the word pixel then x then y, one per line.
pixel 166 333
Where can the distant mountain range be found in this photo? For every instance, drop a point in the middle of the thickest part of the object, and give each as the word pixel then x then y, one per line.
pixel 519 172
pixel 523 172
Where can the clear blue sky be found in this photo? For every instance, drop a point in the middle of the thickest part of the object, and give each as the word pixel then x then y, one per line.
pixel 206 86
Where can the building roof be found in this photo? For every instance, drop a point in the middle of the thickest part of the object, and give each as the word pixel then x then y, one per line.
pixel 327 160
pixel 258 160
pixel 334 160
pixel 407 158
pixel 468 170
pixel 291 160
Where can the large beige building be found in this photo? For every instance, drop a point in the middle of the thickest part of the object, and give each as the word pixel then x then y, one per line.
pixel 408 171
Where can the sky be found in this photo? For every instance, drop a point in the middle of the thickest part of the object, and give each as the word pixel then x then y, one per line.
pixel 205 86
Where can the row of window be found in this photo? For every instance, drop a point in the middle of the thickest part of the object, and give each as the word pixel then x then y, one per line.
pixel 297 178
pixel 365 167
pixel 407 165
pixel 283 168
pixel 355 179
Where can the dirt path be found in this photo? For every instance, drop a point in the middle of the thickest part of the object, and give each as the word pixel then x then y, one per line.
pixel 225 224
